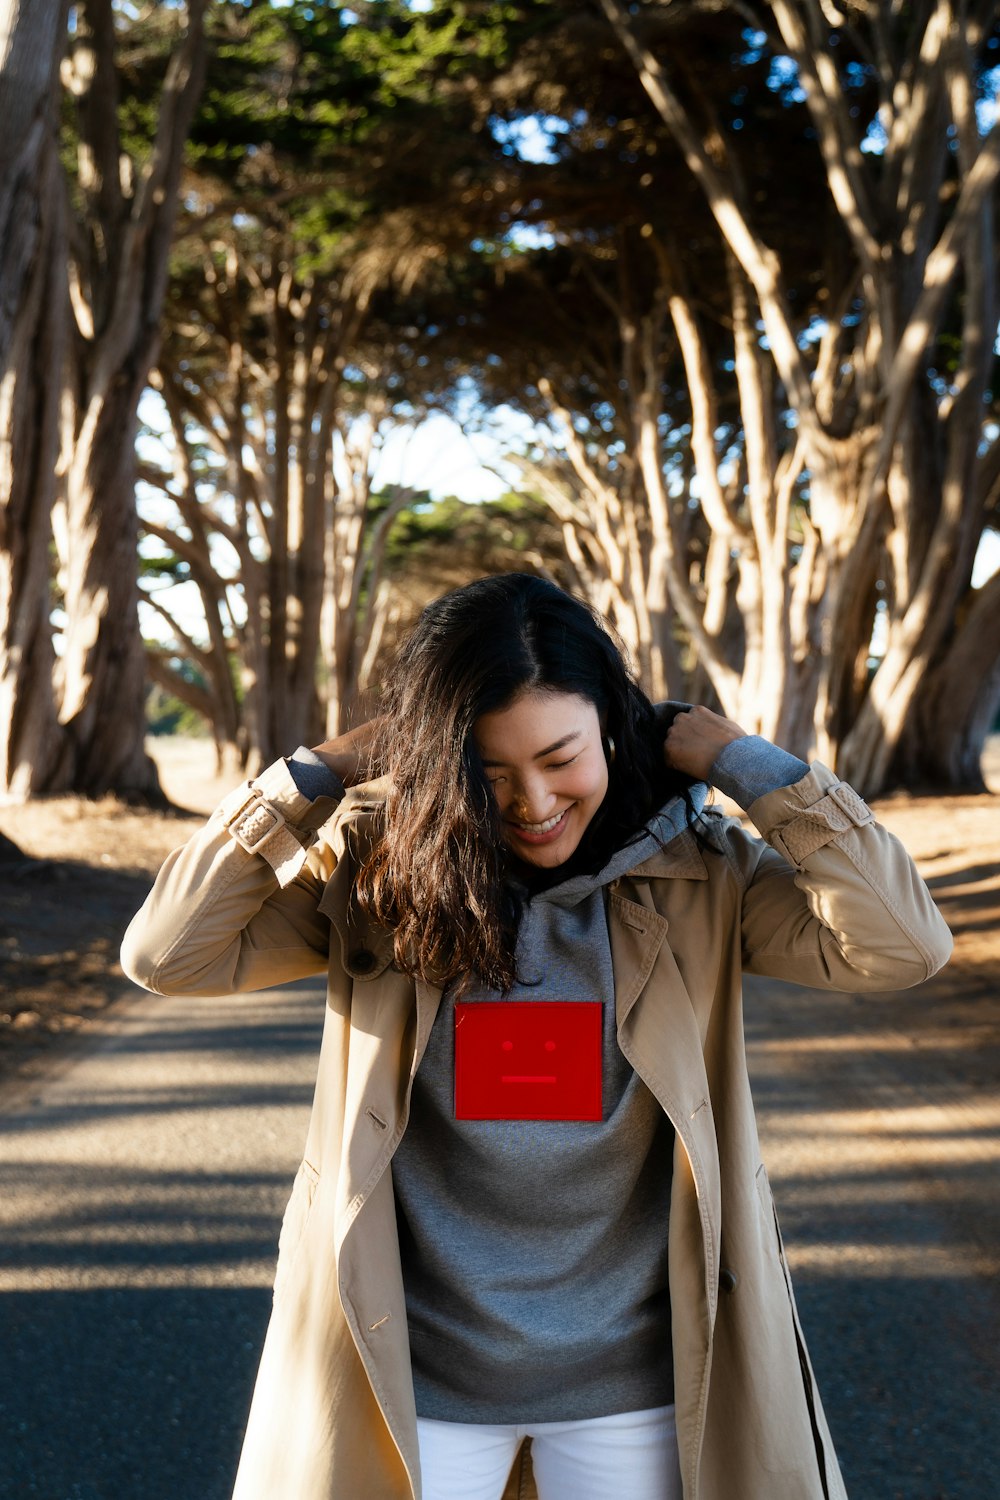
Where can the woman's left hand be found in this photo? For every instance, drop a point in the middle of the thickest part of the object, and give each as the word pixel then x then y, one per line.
pixel 696 738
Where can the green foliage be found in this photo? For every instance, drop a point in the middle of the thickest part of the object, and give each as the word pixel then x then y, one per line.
pixel 411 51
pixel 165 568
pixel 166 714
pixel 486 537
pixel 315 82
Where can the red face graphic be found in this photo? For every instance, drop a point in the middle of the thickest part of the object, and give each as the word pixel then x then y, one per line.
pixel 528 1060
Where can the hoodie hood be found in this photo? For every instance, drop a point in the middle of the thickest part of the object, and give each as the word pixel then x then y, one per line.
pixel 668 824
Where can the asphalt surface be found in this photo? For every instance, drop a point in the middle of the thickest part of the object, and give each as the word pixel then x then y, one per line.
pixel 143 1182
pixel 141 1190
pixel 883 1156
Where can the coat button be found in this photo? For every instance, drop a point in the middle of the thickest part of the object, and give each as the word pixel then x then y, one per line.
pixel 728 1280
pixel 362 962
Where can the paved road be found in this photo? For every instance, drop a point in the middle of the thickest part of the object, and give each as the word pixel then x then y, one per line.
pixel 140 1194
pixel 883 1149
pixel 142 1185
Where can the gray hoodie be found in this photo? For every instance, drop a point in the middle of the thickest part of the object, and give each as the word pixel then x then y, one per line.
pixel 534 1251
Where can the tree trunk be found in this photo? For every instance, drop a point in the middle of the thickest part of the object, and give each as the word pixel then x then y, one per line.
pixel 130 234
pixel 103 669
pixel 957 704
pixel 32 326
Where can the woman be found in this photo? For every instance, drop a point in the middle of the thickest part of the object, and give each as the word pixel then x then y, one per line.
pixel 532 1201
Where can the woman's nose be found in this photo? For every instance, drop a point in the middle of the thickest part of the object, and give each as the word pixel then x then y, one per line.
pixel 533 801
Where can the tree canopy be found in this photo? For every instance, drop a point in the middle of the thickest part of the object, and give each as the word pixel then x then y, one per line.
pixel 737 263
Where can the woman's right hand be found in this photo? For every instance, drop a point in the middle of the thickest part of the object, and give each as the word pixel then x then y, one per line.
pixel 350 754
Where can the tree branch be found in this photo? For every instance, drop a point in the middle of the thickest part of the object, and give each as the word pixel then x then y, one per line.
pixel 141 279
pixel 760 264
pixel 801 29
pixel 167 677
pixel 941 266
pixel 197 653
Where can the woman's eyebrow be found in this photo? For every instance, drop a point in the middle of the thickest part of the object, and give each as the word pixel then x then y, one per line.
pixel 567 739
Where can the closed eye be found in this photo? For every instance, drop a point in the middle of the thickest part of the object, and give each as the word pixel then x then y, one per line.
pixel 554 765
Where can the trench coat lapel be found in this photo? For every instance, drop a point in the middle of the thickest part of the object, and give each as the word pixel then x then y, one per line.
pixel 659 1033
pixel 654 1011
pixel 658 1029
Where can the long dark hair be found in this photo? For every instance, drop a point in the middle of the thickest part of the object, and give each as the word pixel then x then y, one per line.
pixel 437 873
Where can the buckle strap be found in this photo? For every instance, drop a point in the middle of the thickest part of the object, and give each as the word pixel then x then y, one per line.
pixel 259 828
pixel 812 827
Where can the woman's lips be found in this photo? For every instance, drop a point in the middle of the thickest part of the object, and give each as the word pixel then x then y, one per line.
pixel 529 836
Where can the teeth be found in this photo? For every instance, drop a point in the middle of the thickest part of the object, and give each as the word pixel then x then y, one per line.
pixel 542 827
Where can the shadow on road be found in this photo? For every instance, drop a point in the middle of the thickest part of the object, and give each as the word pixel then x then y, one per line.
pixel 123 1393
pixel 880 1123
pixel 140 1198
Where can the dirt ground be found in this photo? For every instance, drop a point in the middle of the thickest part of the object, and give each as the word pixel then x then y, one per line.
pixel 84 867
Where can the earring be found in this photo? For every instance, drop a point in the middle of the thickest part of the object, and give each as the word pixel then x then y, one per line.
pixel 610 750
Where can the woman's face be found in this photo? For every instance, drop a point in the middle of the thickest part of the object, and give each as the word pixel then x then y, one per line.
pixel 544 757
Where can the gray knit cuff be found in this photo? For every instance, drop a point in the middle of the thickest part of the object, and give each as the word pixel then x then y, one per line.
pixel 751 767
pixel 313 777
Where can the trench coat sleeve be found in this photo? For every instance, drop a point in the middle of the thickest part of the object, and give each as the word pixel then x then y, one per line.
pixel 221 918
pixel 835 902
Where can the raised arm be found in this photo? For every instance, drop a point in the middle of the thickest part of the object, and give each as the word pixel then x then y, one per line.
pixel 236 907
pixel 835 901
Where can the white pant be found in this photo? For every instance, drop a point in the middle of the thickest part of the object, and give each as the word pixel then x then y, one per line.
pixel 630 1456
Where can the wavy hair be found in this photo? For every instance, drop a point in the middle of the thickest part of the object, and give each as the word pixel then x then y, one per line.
pixel 437 874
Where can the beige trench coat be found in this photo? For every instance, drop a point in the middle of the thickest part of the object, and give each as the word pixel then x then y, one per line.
pixel 835 902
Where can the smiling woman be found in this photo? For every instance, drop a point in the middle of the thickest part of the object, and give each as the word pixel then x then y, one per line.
pixel 532 1201
pixel 498 679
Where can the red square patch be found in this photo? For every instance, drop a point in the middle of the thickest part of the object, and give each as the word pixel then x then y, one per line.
pixel 528 1060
